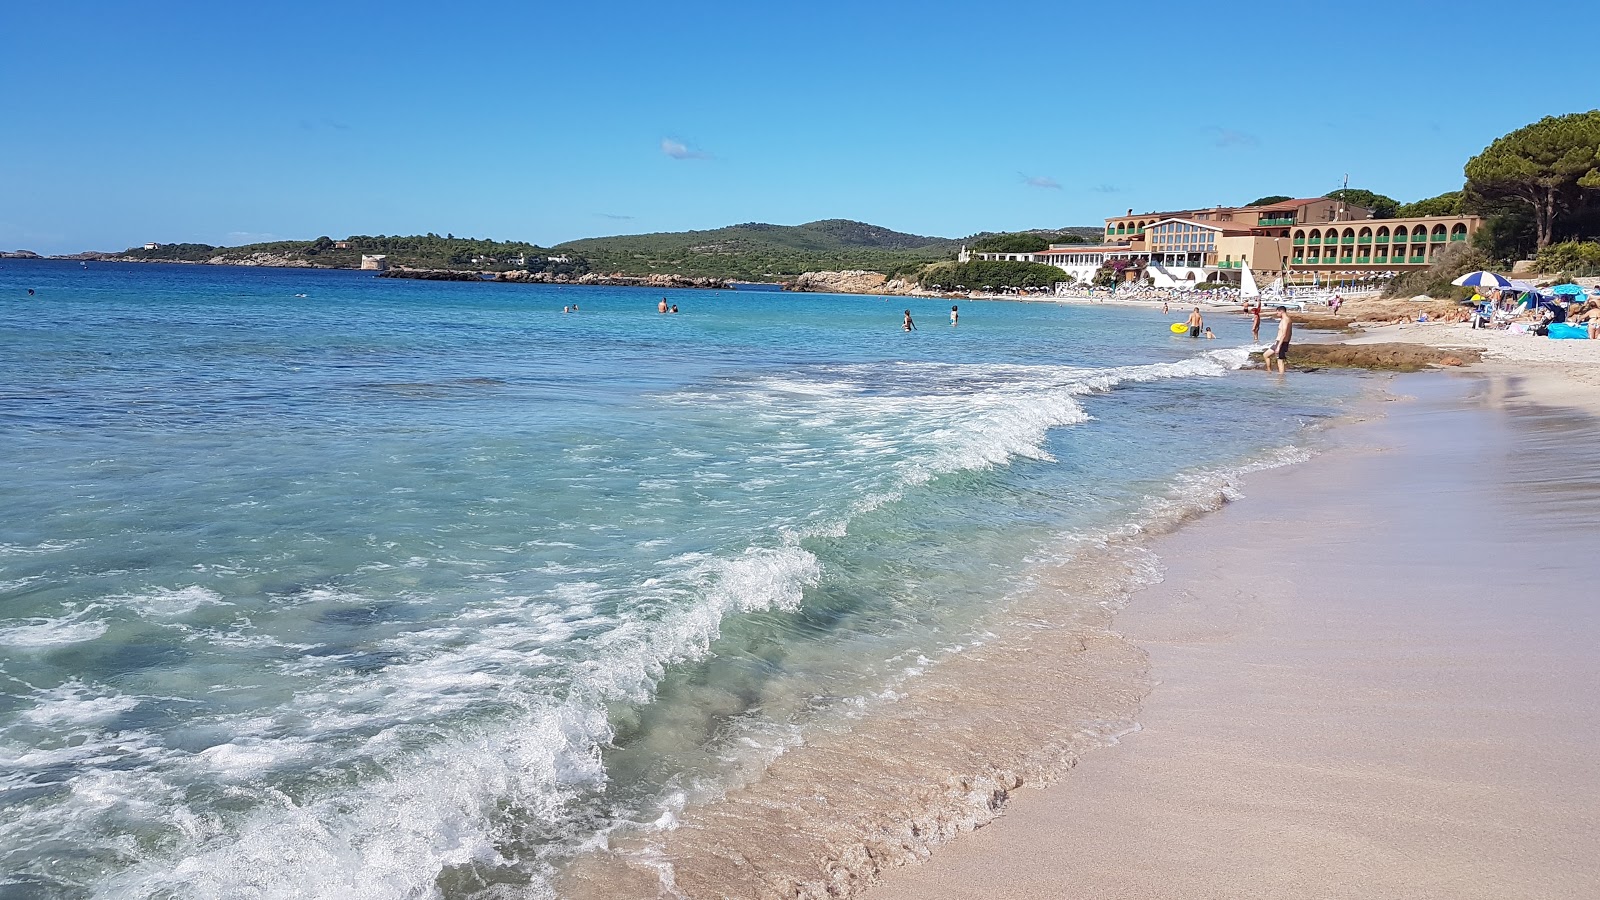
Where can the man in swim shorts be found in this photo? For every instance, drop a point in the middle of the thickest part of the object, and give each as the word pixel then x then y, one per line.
pixel 1280 347
pixel 1196 323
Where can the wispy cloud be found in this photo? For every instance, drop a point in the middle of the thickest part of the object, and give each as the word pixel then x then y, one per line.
pixel 1228 137
pixel 680 150
pixel 1040 181
pixel 615 217
pixel 1104 188
pixel 322 124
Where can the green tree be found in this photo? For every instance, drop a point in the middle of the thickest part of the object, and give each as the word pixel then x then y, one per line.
pixel 1449 204
pixel 1268 201
pixel 1018 242
pixel 1546 165
pixel 1382 207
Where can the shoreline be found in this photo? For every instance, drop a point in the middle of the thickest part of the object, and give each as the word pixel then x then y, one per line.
pixel 1318 723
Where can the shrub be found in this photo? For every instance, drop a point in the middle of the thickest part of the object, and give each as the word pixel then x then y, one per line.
pixel 1455 261
pixel 1570 258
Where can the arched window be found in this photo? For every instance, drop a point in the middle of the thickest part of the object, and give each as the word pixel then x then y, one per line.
pixel 1439 233
pixel 1349 233
pixel 1383 234
pixel 1299 234
pixel 1365 237
pixel 1458 231
pixel 1419 233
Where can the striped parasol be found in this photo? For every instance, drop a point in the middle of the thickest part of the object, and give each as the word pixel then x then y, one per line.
pixel 1483 280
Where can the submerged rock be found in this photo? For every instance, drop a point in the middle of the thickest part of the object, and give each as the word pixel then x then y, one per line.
pixel 1382 357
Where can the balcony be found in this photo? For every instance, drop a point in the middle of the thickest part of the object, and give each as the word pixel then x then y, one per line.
pixel 1269 223
pixel 1348 239
pixel 1440 237
pixel 1299 260
pixel 1365 239
pixel 1419 259
pixel 1364 260
pixel 1383 239
pixel 1399 238
pixel 1315 240
pixel 1458 236
pixel 1380 259
pixel 1299 242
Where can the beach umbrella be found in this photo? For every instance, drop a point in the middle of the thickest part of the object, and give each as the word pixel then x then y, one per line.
pixel 1517 285
pixel 1483 280
pixel 1567 290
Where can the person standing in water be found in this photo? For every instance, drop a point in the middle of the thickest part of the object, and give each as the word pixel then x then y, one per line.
pixel 1255 322
pixel 1280 348
pixel 908 325
pixel 954 316
pixel 662 306
pixel 1196 323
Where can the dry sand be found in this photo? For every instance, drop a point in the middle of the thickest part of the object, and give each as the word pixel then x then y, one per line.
pixel 1377 678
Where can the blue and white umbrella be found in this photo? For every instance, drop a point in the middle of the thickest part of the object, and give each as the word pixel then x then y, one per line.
pixel 1483 280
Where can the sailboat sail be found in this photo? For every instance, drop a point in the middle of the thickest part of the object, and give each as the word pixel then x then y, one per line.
pixel 1247 284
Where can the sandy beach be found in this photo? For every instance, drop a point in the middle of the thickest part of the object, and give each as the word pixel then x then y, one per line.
pixel 1374 674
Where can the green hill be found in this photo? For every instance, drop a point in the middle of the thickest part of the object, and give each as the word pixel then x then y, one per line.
pixel 761 252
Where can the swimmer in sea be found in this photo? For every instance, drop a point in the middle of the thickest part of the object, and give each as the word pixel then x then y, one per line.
pixel 662 306
pixel 954 315
pixel 908 325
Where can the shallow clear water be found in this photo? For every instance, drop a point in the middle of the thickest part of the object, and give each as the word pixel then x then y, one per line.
pixel 404 588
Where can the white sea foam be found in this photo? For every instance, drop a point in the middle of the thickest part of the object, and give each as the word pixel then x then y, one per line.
pixel 439 806
pixel 165 603
pixel 42 632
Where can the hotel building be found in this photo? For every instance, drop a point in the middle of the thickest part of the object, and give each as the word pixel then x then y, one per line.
pixel 1295 240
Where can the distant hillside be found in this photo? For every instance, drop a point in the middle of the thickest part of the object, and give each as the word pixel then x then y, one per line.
pixel 761 252
pixel 423 251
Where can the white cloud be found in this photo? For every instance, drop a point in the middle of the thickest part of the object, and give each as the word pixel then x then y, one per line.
pixel 1041 181
pixel 680 150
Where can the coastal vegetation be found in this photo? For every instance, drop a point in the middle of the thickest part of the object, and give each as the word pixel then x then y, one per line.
pixel 761 252
pixel 1570 258
pixel 1269 200
pixel 989 274
pixel 427 251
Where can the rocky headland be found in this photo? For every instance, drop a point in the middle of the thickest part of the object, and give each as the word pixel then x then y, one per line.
pixel 854 281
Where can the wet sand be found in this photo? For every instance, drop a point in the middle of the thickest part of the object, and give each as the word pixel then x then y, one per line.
pixel 1378 676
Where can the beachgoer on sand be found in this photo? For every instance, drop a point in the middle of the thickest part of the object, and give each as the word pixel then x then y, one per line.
pixel 1280 347
pixel 1196 323
pixel 908 325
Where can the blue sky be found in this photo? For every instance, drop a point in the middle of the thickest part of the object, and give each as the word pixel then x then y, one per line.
pixel 229 123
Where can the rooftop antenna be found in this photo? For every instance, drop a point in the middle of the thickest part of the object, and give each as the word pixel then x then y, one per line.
pixel 1338 216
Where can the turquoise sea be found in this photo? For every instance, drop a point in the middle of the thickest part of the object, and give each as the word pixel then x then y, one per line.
pixel 314 584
